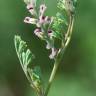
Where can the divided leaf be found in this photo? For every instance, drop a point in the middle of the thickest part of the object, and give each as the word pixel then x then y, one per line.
pixel 25 55
pixel 29 56
pixel 58 25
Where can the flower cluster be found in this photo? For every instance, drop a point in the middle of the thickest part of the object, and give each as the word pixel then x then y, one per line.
pixel 51 30
pixel 43 24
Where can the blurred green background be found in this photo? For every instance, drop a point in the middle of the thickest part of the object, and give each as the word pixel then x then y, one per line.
pixel 77 73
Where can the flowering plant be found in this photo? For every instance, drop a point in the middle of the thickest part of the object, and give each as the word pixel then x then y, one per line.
pixel 47 29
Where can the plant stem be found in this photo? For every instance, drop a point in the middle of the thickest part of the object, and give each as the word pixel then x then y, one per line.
pixel 60 54
pixel 56 64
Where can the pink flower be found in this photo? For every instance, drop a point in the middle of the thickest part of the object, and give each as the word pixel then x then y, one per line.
pixel 31 9
pixel 42 9
pixel 30 20
pixel 50 33
pixel 44 20
pixel 31 4
pixel 38 32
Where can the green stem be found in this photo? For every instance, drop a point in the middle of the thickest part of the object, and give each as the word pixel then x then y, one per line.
pixel 56 65
pixel 60 55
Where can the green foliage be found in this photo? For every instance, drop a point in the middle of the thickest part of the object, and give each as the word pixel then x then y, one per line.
pixel 62 18
pixel 26 57
pixel 58 25
pixel 35 77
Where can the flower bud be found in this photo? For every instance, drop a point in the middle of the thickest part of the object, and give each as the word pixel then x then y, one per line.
pixel 38 32
pixel 48 46
pixel 30 20
pixel 31 9
pixel 50 33
pixel 53 54
pixel 31 4
pixel 42 19
pixel 42 9
pixel 69 6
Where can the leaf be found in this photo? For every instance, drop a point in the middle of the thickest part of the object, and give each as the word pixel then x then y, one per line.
pixel 62 18
pixel 22 46
pixel 29 57
pixel 58 26
pixel 23 58
pixel 61 4
pixel 37 72
pixel 17 41
pixel 25 55
pixel 57 34
pixel 34 77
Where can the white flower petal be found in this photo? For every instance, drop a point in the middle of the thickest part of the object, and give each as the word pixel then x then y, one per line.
pixel 53 54
pixel 48 46
pixel 30 20
pixel 42 9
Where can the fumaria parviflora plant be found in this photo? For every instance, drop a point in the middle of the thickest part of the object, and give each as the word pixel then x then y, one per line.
pixel 48 29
